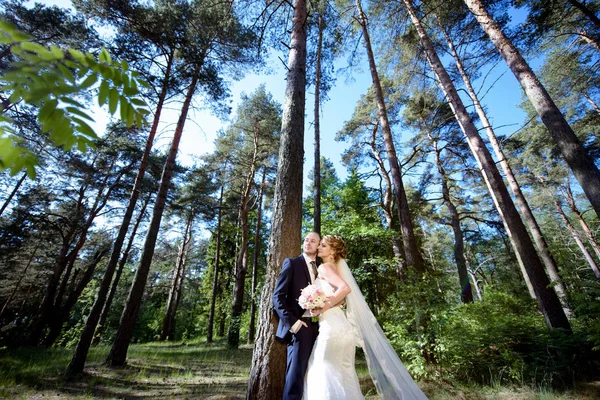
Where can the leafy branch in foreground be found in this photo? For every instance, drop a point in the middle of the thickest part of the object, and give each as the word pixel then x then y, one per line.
pixel 52 79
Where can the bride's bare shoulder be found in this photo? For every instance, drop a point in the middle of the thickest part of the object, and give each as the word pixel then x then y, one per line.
pixel 327 266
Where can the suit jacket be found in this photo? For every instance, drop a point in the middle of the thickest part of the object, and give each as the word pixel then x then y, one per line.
pixel 293 278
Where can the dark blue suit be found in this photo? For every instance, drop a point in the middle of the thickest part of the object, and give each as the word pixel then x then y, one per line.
pixel 293 278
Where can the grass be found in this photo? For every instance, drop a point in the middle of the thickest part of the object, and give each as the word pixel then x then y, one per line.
pixel 200 371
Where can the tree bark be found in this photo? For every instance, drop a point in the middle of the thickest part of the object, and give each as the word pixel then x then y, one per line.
pixel 591 101
pixel 575 155
pixel 215 283
pixel 118 352
pixel 267 373
pixel 317 168
pixel 411 249
pixel 588 257
pixel 13 192
pixel 466 294
pixel 168 328
pixel 115 283
pixel 528 217
pixel 586 11
pixel 256 254
pixel 80 355
pixel 387 205
pixel 548 301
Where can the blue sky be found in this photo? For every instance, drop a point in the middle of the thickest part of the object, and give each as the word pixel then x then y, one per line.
pixel 501 101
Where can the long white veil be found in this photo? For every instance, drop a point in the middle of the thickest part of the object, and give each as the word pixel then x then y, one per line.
pixel 392 380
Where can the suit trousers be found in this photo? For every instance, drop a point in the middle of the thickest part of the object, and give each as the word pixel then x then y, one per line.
pixel 298 353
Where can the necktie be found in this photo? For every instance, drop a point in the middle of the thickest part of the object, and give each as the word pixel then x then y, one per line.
pixel 313 266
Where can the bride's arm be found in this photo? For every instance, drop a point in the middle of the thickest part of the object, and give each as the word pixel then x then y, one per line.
pixel 328 272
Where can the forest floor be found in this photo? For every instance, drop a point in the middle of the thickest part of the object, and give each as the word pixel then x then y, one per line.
pixel 197 371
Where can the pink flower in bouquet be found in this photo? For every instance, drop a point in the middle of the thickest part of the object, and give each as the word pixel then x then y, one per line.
pixel 311 297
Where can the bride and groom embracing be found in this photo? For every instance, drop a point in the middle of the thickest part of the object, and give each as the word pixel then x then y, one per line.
pixel 320 355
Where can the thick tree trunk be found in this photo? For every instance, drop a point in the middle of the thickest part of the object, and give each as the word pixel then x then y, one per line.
pixel 241 267
pixel 528 217
pixel 575 155
pixel 79 356
pixel 256 254
pixel 411 249
pixel 168 328
pixel 466 294
pixel 13 192
pixel 588 257
pixel 317 168
pixel 268 360
pixel 118 352
pixel 215 283
pixel 548 301
pixel 115 284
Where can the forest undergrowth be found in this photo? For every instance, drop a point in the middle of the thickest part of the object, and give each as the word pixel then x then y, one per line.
pixel 197 370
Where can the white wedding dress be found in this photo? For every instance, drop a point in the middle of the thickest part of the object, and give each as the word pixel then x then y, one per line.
pixel 331 374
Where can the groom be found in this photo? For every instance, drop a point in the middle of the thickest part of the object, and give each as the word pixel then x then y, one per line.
pixel 296 328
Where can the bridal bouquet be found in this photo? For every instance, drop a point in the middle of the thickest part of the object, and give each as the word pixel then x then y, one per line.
pixel 312 297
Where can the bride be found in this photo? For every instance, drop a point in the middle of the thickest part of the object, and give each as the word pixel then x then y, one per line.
pixel 331 373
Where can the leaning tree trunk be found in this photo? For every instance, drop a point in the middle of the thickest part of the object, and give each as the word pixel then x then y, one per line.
pixel 588 257
pixel 62 313
pixel 568 194
pixel 18 284
pixel 578 159
pixel 118 352
pixel 528 217
pixel 256 253
pixel 241 265
pixel 586 11
pixel 548 301
pixel 387 205
pixel 317 168
pixel 466 294
pixel 267 373
pixel 80 355
pixel 215 283
pixel 168 328
pixel 411 249
pixel 13 192
pixel 115 284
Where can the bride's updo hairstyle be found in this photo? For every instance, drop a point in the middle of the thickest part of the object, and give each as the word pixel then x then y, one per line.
pixel 338 246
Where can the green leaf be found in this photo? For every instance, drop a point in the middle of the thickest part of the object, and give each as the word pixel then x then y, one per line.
pixel 38 49
pixel 124 65
pixel 69 100
pixel 66 73
pixel 89 81
pixel 84 128
pixel 138 102
pixel 130 115
pixel 139 120
pixel 113 100
pixel 79 113
pixel 103 93
pixel 57 52
pixel 47 110
pixel 104 56
pixel 124 105
pixel 77 55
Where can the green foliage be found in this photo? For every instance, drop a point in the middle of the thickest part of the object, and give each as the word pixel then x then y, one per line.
pixel 53 79
pixel 504 339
